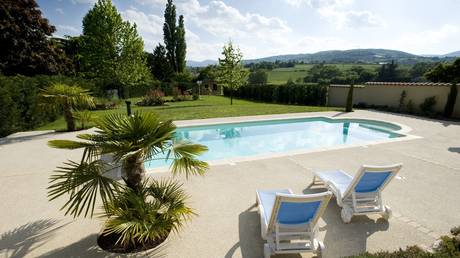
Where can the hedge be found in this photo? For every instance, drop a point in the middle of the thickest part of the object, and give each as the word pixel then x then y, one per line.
pixel 289 93
pixel 19 107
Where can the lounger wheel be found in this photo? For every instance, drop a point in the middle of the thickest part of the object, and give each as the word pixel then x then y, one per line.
pixel 267 251
pixel 320 249
pixel 346 214
pixel 387 213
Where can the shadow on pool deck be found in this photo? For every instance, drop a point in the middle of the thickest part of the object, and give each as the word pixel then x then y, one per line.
pixel 22 240
pixel 346 239
pixel 250 241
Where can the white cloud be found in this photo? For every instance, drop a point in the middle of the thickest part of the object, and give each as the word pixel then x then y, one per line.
pixel 149 26
pixel 428 41
pixel 319 3
pixel 351 19
pixel 191 7
pixel 84 1
pixel 66 30
pixel 333 11
pixel 59 10
pixel 154 3
pixel 220 19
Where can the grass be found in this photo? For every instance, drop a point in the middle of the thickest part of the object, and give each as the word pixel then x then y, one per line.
pixel 206 107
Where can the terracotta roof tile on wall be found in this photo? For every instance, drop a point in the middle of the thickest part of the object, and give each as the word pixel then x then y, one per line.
pixel 407 83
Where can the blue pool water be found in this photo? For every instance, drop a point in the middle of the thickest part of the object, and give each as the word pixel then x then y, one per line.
pixel 234 140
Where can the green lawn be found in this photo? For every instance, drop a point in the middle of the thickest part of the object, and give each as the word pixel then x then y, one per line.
pixel 206 107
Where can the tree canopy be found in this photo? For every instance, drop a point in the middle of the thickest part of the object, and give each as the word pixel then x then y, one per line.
pixel 112 49
pixel 231 72
pixel 24 39
pixel 258 77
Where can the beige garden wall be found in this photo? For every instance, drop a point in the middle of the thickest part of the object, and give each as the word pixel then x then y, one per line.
pixel 388 94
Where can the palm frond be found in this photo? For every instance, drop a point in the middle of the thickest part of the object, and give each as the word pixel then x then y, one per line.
pixel 84 183
pixel 148 215
pixel 59 94
pixel 185 159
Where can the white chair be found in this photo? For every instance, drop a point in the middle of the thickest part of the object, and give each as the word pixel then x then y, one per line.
pixel 361 194
pixel 289 221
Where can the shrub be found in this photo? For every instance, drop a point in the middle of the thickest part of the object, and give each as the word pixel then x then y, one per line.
pixel 428 105
pixel 402 99
pixel 19 105
pixel 290 93
pixel 410 108
pixel 84 117
pixel 153 98
pixel 448 246
pixel 451 98
pixel 104 104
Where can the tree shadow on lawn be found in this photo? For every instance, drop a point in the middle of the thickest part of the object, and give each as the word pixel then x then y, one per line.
pixel 181 107
pixel 20 241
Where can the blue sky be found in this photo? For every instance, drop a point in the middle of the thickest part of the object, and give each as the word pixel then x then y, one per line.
pixel 274 27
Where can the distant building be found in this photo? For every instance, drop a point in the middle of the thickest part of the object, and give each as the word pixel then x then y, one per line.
pixel 211 87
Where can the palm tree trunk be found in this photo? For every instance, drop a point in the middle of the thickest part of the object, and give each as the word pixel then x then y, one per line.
pixel 134 170
pixel 69 118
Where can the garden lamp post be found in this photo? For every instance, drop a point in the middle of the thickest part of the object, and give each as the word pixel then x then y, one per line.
pixel 128 107
pixel 199 88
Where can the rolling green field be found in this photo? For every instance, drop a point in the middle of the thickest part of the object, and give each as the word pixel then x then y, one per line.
pixel 206 107
pixel 282 75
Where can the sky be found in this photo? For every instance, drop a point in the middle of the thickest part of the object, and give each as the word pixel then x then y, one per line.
pixel 263 28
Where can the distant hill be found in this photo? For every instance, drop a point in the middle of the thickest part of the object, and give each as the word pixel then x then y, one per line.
pixel 365 56
pixel 453 54
pixel 352 56
pixel 203 63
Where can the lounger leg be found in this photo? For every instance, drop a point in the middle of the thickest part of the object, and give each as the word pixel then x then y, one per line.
pixel 320 249
pixel 346 214
pixel 267 251
pixel 314 182
pixel 387 213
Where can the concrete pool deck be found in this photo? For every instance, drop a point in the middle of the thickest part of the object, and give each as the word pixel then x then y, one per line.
pixel 425 199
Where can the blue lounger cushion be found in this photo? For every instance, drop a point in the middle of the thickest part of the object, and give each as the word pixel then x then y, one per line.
pixel 267 200
pixel 370 182
pixel 289 212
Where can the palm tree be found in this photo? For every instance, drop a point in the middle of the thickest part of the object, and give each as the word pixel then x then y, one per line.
pixel 136 211
pixel 131 140
pixel 68 99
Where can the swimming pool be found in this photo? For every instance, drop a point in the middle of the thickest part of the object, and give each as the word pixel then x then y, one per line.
pixel 246 139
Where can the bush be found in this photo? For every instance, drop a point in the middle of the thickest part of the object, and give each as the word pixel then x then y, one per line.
pixel 449 246
pixel 153 98
pixel 428 105
pixel 104 104
pixel 402 100
pixel 19 105
pixel 290 93
pixel 451 98
pixel 410 108
pixel 84 117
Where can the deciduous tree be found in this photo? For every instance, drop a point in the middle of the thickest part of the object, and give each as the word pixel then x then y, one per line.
pixel 231 73
pixel 25 47
pixel 112 49
pixel 447 73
